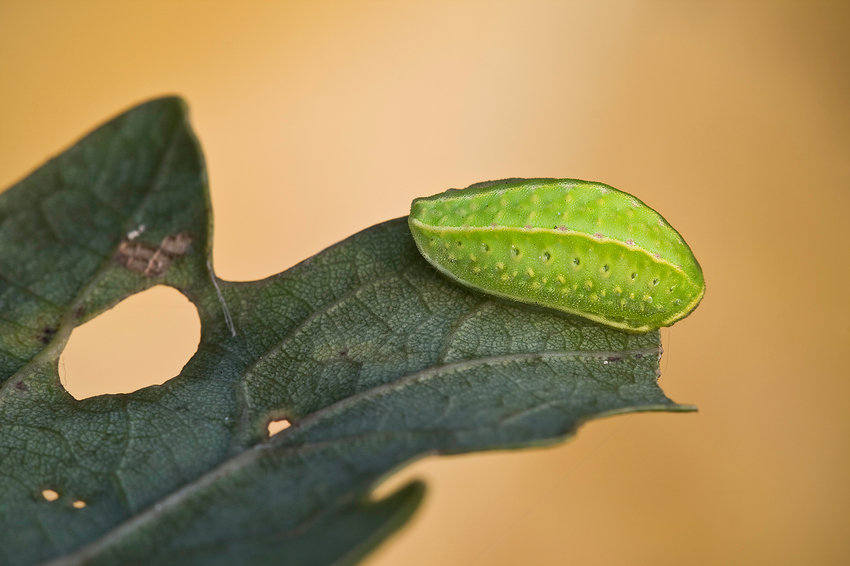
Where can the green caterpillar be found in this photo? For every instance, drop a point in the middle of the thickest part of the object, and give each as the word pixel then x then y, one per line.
pixel 580 247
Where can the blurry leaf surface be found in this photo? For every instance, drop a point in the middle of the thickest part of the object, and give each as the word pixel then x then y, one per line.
pixel 374 358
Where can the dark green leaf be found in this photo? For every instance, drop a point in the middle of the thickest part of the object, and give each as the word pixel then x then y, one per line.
pixel 374 358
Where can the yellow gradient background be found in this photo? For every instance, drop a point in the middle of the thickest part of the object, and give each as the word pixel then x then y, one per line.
pixel 319 119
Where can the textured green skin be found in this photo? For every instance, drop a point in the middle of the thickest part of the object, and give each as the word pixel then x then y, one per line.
pixel 580 247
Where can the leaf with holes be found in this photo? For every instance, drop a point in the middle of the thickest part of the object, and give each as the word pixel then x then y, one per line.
pixel 372 356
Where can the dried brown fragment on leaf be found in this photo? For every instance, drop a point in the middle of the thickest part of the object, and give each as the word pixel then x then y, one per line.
pixel 175 245
pixel 150 261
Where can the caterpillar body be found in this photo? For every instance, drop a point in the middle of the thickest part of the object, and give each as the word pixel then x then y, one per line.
pixel 580 247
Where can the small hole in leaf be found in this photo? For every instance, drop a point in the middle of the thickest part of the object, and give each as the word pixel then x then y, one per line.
pixel 515 251
pixel 576 261
pixel 634 276
pixel 546 256
pixel 459 244
pixel 145 340
pixel 605 268
pixel 78 504
pixel 485 248
pixel 50 495
pixel 277 426
pixel 655 281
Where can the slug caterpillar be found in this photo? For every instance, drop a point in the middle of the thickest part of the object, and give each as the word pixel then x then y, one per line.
pixel 580 247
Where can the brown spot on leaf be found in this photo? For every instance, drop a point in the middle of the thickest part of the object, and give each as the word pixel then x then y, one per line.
pixel 46 334
pixel 150 261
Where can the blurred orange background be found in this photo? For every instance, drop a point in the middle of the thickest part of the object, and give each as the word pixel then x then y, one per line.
pixel 319 119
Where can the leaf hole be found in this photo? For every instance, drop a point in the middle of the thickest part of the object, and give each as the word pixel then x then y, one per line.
pixel 485 248
pixel 145 340
pixel 655 281
pixel 515 251
pixel 634 276
pixel 546 256
pixel 278 426
pixel 605 268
